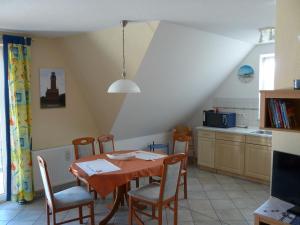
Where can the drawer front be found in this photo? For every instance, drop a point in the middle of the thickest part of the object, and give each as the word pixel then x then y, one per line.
pixel 230 137
pixel 206 134
pixel 259 140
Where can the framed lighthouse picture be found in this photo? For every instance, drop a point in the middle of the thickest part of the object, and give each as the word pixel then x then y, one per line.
pixel 52 88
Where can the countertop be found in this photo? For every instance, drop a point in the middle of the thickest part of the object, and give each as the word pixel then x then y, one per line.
pixel 238 130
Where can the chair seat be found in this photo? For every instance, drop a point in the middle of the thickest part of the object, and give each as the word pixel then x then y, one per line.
pixel 148 192
pixel 72 197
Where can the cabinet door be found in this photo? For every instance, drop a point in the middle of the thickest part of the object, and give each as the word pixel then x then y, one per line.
pixel 206 152
pixel 230 156
pixel 258 161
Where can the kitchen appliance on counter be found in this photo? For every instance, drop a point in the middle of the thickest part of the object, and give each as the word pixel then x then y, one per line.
pixel 212 118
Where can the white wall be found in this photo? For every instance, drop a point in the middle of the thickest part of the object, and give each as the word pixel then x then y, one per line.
pixel 59 159
pixel 181 68
pixel 232 93
pixel 232 87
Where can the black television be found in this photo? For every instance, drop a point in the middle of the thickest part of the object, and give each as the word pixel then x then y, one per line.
pixel 286 179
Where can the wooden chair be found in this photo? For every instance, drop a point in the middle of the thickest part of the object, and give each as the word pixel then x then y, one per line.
pixel 181 145
pixel 158 195
pixel 84 146
pixel 74 197
pixel 106 145
pixel 187 131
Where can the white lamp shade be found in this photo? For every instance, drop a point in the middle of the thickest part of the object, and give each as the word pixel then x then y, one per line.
pixel 123 86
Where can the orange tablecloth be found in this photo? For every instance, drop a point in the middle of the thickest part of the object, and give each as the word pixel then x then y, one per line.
pixel 107 182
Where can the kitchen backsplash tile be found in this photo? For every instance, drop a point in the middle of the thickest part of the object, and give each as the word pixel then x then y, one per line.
pixel 246 110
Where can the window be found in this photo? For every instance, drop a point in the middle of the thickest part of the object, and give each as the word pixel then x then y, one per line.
pixel 266 72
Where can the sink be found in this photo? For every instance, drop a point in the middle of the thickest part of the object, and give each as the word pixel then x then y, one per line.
pixel 265 132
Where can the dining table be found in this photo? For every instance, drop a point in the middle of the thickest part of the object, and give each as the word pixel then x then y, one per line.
pixel 105 183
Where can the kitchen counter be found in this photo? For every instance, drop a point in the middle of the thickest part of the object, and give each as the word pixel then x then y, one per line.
pixel 237 130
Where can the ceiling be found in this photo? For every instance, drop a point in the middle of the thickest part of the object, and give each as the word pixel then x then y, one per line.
pixel 237 19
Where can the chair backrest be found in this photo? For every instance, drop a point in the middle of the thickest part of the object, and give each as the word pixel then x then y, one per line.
pixel 182 130
pixel 171 176
pixel 46 180
pixel 162 147
pixel 84 147
pixel 181 144
pixel 106 143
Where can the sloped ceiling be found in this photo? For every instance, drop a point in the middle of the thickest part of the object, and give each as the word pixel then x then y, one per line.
pixel 95 59
pixel 176 67
pixel 180 69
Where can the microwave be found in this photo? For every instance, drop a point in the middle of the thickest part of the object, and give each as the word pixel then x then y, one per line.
pixel 219 119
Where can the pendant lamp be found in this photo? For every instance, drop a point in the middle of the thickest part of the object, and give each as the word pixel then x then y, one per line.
pixel 123 85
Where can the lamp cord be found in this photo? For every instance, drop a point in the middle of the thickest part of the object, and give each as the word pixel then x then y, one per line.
pixel 123 32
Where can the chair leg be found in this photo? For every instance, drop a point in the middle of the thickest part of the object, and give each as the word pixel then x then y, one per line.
pixel 48 213
pixel 160 211
pixel 54 218
pixel 176 210
pixel 185 185
pixel 130 211
pixel 95 195
pixel 153 211
pixel 80 215
pixel 78 182
pixel 92 214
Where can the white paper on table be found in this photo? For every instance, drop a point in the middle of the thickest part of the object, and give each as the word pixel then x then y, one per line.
pixel 98 166
pixel 148 155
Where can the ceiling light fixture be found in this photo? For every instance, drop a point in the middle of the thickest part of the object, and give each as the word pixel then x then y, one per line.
pixel 267 35
pixel 124 85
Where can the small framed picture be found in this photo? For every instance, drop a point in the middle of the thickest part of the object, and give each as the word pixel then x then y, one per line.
pixel 52 88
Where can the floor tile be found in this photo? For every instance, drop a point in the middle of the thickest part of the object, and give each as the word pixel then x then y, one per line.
pixel 212 187
pixel 244 203
pixel 213 199
pixel 197 195
pixel 232 187
pixel 216 222
pixel 214 195
pixel 234 222
pixel 205 215
pixel 200 205
pixel 229 214
pixel 222 204
pixel 8 214
pixel 237 194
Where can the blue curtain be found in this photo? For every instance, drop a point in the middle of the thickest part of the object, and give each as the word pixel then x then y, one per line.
pixel 14 48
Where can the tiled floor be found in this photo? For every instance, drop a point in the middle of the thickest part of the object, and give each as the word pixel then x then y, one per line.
pixel 212 200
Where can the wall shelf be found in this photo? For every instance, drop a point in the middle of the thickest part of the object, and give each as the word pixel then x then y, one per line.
pixel 271 116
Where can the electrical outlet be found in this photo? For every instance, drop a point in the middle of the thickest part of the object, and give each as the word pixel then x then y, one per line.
pixel 67 156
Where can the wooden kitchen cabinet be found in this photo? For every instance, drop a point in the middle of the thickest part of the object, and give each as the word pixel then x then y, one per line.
pixel 258 161
pixel 206 152
pixel 229 156
pixel 206 148
pixel 247 156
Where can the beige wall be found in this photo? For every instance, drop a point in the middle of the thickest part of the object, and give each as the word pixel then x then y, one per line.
pixel 287 43
pixel 57 127
pixel 96 59
pixel 91 62
pixel 287 53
